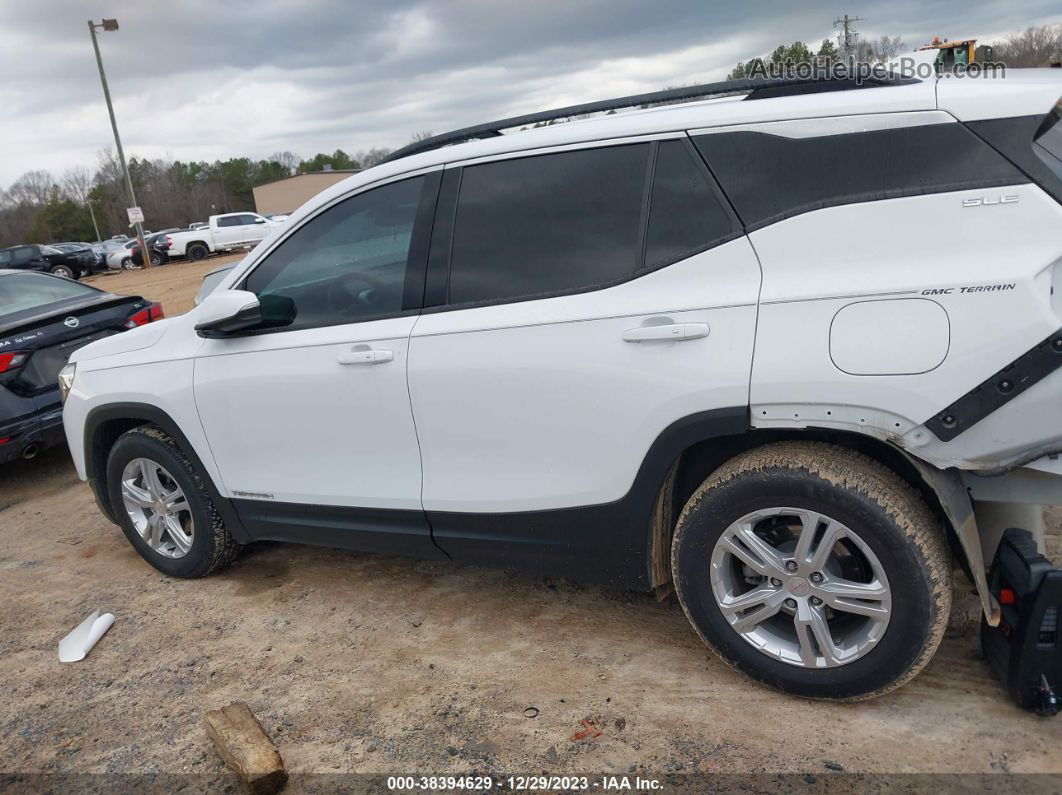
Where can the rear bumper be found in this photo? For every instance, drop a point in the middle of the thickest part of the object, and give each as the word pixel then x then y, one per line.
pixel 40 431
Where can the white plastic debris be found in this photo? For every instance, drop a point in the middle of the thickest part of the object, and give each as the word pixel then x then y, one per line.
pixel 79 643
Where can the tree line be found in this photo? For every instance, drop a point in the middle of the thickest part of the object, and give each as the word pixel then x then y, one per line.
pixel 39 207
pixel 1037 46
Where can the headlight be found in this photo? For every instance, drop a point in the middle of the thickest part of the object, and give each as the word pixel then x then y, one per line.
pixel 66 379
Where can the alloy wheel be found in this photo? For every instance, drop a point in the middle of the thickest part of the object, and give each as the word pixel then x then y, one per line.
pixel 800 587
pixel 158 508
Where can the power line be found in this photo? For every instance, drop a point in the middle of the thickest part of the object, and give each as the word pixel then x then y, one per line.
pixel 848 35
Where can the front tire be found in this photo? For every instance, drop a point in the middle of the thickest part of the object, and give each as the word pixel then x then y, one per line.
pixel 164 507
pixel 814 570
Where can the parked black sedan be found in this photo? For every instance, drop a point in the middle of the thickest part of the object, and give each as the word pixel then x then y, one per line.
pixel 69 265
pixel 88 249
pixel 43 319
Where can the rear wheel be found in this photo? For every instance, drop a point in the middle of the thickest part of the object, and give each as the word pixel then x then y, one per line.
pixel 815 570
pixel 156 258
pixel 197 251
pixel 64 271
pixel 128 264
pixel 164 507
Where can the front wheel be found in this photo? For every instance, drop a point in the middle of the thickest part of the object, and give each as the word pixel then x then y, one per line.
pixel 814 570
pixel 163 506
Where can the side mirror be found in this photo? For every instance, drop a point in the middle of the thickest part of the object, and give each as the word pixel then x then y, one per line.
pixel 230 312
pixel 260 220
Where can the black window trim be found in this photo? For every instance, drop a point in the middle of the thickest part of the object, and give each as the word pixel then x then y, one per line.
pixel 419 245
pixel 436 291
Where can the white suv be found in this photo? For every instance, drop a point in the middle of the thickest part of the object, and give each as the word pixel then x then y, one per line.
pixel 781 351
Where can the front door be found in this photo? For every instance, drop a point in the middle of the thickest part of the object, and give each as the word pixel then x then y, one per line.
pixel 310 424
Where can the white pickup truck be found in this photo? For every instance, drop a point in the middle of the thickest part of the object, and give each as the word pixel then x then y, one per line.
pixel 224 233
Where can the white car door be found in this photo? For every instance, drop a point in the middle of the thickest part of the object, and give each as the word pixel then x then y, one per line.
pixel 560 353
pixel 310 423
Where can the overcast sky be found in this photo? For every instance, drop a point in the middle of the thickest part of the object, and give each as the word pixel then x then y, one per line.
pixel 210 79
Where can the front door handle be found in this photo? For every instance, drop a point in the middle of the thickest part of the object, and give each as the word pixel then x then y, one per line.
pixel 676 332
pixel 365 357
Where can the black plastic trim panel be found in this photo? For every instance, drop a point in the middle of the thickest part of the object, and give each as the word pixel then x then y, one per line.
pixel 769 178
pixel 1013 137
pixel 993 393
pixel 378 530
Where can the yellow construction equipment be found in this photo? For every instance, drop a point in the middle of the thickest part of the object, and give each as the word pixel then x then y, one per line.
pixel 961 52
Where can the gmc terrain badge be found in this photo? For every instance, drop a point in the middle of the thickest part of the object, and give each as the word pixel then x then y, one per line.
pixel 985 201
pixel 71 322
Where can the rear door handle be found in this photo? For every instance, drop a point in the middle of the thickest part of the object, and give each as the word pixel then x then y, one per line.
pixel 365 357
pixel 676 332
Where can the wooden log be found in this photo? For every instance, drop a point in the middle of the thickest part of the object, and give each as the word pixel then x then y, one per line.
pixel 246 748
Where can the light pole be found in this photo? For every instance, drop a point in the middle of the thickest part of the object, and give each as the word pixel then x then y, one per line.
pixel 112 24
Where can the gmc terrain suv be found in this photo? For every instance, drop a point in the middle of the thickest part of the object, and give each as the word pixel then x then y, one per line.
pixel 788 351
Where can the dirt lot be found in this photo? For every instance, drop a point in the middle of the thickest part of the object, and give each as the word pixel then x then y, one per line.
pixel 362 663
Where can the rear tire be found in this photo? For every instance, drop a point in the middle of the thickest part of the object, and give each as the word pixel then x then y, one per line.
pixel 128 264
pixel 168 515
pixel 196 252
pixel 814 570
pixel 63 271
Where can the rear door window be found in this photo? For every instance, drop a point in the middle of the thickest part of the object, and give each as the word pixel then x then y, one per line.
pixel 687 215
pixel 550 224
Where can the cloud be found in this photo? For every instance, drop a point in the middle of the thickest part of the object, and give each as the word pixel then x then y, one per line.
pixel 207 79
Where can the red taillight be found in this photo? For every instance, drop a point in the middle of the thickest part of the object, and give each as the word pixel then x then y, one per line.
pixel 144 316
pixel 12 360
pixel 1007 596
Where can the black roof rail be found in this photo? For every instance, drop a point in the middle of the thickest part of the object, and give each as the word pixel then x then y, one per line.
pixel 756 87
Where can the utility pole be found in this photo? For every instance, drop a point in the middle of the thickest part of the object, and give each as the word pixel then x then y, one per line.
pixel 92 212
pixel 112 24
pixel 848 35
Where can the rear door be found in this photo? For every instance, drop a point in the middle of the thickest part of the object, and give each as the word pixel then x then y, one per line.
pixel 593 297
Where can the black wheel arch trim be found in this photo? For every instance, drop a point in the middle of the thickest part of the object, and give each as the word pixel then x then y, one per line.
pixel 144 414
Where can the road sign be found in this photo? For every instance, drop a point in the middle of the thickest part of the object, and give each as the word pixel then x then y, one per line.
pixel 136 215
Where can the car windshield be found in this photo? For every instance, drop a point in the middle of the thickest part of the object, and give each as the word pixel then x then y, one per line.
pixel 50 250
pixel 22 291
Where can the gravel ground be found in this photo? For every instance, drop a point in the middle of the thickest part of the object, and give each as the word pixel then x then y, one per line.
pixel 357 663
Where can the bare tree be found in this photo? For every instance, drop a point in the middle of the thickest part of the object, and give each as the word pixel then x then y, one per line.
pixel 1035 46
pixel 367 158
pixel 423 135
pixel 879 50
pixel 33 187
pixel 289 160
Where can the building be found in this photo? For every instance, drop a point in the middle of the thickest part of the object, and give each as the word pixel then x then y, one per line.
pixel 288 194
